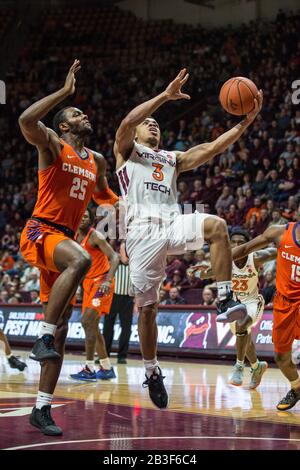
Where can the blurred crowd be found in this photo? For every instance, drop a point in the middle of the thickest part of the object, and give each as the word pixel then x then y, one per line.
pixel 126 60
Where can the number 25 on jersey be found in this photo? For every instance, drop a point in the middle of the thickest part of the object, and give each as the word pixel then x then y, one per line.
pixel 78 188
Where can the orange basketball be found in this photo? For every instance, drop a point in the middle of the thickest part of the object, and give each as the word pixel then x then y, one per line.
pixel 237 95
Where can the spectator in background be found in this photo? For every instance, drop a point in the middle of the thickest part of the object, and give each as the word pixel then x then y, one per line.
pixel 7 262
pixel 174 298
pixel 208 296
pixel 176 280
pixel 224 201
pixel 263 221
pixel 268 288
pixel 260 184
pixel 277 219
pixel 33 283
pixel 290 211
pixel 231 216
pixel 34 297
pixel 255 210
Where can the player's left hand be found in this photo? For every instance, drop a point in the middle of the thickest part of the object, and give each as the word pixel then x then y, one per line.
pixel 173 90
pixel 258 101
pixel 104 288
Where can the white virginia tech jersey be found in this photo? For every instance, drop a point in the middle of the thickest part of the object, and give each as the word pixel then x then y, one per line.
pixel 245 280
pixel 148 184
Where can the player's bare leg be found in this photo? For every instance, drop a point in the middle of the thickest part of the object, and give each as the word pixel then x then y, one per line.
pixel 73 263
pixel 216 234
pixel 289 370
pixel 242 338
pixel 6 344
pixel 147 328
pixel 13 361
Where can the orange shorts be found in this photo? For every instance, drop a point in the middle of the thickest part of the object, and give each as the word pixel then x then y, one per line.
pixel 92 299
pixel 286 323
pixel 37 244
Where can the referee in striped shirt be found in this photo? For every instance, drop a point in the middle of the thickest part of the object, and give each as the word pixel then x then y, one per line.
pixel 122 304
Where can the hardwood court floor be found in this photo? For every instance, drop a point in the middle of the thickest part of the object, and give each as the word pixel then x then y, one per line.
pixel 205 412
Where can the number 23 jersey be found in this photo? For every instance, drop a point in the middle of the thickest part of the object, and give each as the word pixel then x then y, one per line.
pixel 245 280
pixel 66 187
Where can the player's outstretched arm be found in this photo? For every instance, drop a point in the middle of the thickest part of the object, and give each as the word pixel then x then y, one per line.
pixel 202 153
pixel 102 193
pixel 272 234
pixel 34 131
pixel 263 256
pixel 126 132
pixel 113 257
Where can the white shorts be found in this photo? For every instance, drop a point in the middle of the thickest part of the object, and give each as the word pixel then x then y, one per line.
pixel 255 310
pixel 148 244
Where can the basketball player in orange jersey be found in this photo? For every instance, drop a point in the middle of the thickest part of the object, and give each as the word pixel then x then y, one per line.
pixel 286 307
pixel 155 228
pixel 98 289
pixel 69 175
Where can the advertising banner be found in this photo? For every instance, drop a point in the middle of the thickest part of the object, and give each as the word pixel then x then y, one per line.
pixel 192 330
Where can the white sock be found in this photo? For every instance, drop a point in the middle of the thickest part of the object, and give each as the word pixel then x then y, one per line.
pixel 240 363
pixel 43 399
pixel 295 383
pixel 224 287
pixel 90 365
pixel 105 363
pixel 255 365
pixel 8 356
pixel 47 329
pixel 151 366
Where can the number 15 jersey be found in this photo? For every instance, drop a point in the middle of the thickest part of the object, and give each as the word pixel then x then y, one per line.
pixel 66 187
pixel 288 264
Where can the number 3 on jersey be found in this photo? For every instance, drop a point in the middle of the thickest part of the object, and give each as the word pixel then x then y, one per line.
pixel 158 174
pixel 78 189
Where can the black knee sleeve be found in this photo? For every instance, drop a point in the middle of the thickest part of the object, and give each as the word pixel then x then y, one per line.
pixel 243 333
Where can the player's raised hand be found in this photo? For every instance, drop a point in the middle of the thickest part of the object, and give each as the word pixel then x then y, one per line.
pixel 69 85
pixel 173 90
pixel 104 288
pixel 258 101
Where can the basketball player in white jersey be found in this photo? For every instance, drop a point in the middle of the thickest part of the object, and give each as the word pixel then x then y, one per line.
pixel 155 227
pixel 245 287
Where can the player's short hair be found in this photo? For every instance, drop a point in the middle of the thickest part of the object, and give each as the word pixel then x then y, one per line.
pixel 59 117
pixel 242 232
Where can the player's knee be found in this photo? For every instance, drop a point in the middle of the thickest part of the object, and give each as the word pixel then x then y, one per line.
pixel 148 313
pixel 89 322
pixel 282 359
pixel 215 228
pixel 82 263
pixel 243 325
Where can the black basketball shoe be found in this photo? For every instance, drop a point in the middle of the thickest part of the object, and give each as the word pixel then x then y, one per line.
pixel 44 349
pixel 42 419
pixel 157 391
pixel 15 363
pixel 229 310
pixel 289 400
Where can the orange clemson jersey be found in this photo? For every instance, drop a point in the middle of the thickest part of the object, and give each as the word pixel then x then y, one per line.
pixel 288 264
pixel 66 187
pixel 100 263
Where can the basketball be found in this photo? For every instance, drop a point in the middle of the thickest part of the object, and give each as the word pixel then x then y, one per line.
pixel 237 95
